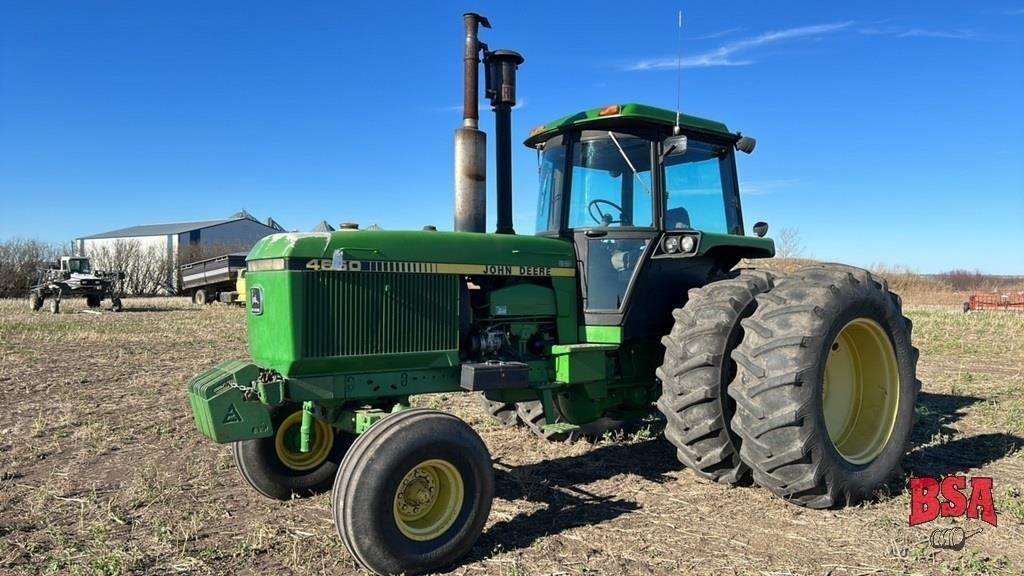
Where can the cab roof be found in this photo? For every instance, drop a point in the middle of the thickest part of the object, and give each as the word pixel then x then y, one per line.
pixel 618 113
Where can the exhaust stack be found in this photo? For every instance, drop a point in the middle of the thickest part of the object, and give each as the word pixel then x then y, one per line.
pixel 501 68
pixel 470 141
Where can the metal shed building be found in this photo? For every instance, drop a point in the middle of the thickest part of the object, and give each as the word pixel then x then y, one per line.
pixel 180 240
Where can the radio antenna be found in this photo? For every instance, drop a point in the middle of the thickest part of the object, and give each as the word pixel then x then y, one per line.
pixel 679 70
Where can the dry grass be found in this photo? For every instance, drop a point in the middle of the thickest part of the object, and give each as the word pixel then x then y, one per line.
pixel 102 471
pixel 915 288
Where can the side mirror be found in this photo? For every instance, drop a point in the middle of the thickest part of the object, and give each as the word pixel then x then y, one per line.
pixel 760 229
pixel 746 144
pixel 673 146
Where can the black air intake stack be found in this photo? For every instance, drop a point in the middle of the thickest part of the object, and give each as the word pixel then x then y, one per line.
pixel 470 141
pixel 501 68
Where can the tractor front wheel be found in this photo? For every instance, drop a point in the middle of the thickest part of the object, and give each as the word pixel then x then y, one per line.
pixel 825 386
pixel 413 493
pixel 115 304
pixel 278 469
pixel 55 305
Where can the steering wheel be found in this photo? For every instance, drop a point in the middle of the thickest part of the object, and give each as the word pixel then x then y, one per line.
pixel 601 217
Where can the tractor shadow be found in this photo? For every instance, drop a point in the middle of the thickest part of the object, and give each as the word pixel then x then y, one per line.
pixel 557 485
pixel 937 453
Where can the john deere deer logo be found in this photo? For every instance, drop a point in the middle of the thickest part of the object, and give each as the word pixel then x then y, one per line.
pixel 256 300
pixel 232 416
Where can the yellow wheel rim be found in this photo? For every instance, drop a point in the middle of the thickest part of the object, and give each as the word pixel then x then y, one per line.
pixel 428 500
pixel 861 395
pixel 287 441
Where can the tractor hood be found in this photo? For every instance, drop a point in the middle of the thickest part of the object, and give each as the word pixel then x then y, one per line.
pixel 415 251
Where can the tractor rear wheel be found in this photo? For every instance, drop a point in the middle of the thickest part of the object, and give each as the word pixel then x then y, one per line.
pixel 92 301
pixel 276 467
pixel 413 493
pixel 35 301
pixel 698 369
pixel 825 386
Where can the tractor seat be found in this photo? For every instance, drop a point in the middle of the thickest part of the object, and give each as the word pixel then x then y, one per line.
pixel 677 219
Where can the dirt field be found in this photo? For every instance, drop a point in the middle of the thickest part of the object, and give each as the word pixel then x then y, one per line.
pixel 102 471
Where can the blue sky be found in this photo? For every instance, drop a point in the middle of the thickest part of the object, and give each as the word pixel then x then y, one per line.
pixel 887 132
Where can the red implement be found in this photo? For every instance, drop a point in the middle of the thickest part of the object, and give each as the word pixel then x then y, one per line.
pixel 999 302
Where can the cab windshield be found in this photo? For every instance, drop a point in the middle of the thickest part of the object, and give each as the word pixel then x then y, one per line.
pixel 610 182
pixel 608 176
pixel 79 266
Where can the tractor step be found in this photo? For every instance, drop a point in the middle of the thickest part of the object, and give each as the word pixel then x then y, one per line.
pixel 558 428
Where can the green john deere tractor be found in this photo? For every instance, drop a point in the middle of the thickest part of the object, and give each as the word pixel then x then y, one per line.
pixel 626 298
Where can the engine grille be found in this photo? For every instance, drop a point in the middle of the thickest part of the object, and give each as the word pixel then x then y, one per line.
pixel 365 313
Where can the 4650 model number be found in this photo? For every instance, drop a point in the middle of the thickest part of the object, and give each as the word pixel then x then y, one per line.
pixel 319 264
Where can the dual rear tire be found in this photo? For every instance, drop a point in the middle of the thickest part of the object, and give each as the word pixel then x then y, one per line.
pixel 808 381
pixel 825 387
pixel 698 369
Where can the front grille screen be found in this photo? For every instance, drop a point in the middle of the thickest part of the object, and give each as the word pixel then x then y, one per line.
pixel 367 313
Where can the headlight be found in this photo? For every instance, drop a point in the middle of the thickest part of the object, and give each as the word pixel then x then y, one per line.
pixel 671 244
pixel 688 243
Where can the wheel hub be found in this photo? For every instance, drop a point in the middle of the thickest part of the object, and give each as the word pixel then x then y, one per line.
pixel 860 399
pixel 428 500
pixel 416 494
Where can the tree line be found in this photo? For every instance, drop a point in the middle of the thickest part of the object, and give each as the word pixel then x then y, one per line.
pixel 148 270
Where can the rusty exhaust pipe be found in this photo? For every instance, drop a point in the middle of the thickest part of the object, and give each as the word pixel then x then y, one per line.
pixel 470 142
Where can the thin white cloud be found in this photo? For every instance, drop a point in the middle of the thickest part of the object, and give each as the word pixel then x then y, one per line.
pixel 948 34
pixel 714 35
pixel 731 53
pixel 878 30
pixel 899 32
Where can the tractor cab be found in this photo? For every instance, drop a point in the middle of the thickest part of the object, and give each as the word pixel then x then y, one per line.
pixel 652 206
pixel 74 265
